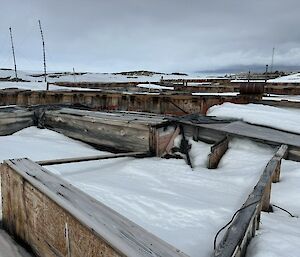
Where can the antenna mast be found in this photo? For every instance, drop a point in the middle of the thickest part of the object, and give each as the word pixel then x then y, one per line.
pixel 44 53
pixel 13 52
pixel 272 63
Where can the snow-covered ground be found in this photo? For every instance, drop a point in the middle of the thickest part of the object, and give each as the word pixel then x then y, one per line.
pixel 274 97
pixel 184 207
pixel 294 78
pixel 279 118
pixel 246 80
pixel 217 94
pixel 36 86
pixel 42 144
pixel 279 233
pixel 154 86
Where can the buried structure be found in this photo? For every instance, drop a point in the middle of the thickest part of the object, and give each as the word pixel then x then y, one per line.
pixel 152 185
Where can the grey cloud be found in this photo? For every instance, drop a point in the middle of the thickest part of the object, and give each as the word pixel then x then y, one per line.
pixel 164 35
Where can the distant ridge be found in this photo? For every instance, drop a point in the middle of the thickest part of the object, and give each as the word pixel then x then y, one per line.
pixel 253 68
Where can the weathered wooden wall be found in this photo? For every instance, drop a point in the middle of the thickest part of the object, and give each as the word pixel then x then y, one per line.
pixel 13 119
pixel 177 104
pixel 115 131
pixel 55 219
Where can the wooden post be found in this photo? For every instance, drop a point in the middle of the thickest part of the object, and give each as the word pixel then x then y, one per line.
pixel 265 203
pixel 276 174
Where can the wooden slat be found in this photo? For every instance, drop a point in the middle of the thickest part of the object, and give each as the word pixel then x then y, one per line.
pixel 92 158
pixel 90 222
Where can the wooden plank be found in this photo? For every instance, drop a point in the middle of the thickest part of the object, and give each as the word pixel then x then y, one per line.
pixel 237 237
pixel 217 152
pixel 92 158
pixel 164 138
pixel 171 141
pixel 48 203
pixel 258 133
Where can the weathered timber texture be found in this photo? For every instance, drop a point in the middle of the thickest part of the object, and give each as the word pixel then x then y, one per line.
pixel 217 152
pixel 123 132
pixel 160 103
pixel 236 239
pixel 119 131
pixel 13 119
pixel 56 219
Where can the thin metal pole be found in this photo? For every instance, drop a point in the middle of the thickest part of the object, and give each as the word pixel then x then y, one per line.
pixel 272 63
pixel 13 52
pixel 44 53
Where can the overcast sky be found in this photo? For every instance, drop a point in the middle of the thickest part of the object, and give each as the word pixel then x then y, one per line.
pixel 160 35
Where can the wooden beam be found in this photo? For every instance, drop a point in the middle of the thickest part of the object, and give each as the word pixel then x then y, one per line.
pixel 217 152
pixel 92 158
pixel 42 205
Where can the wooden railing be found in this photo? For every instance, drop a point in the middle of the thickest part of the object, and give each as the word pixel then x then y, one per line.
pixel 246 220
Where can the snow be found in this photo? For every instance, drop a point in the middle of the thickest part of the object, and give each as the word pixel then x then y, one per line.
pixel 260 114
pixel 42 144
pixel 274 97
pixel 9 248
pixel 217 94
pixel 246 80
pixel 36 86
pixel 154 86
pixel 279 233
pixel 294 78
pixel 97 77
pixel 182 206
